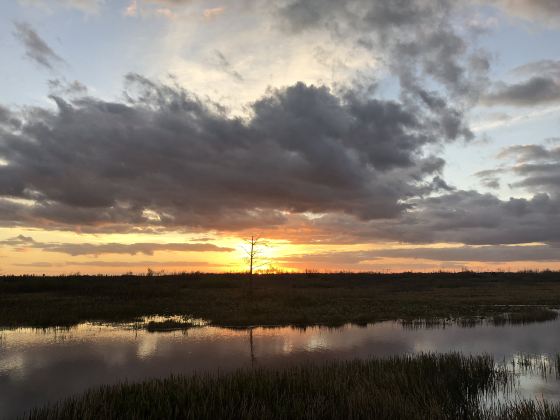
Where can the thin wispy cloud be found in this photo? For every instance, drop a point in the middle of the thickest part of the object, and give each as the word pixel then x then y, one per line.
pixel 36 48
pixel 22 242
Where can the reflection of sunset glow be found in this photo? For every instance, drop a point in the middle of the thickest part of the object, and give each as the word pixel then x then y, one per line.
pixel 91 355
pixel 147 346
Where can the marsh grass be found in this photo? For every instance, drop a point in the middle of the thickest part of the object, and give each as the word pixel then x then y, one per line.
pixel 168 325
pixel 281 299
pixel 436 323
pixel 546 366
pixel 407 387
pixel 522 410
pixel 525 316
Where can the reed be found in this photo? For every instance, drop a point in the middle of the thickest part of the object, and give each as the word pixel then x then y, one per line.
pixel 525 316
pixel 407 387
pixel 448 386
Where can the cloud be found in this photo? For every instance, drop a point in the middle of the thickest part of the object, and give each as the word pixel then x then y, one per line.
pixel 490 178
pixel 36 264
pixel 547 11
pixel 533 167
pixel 132 8
pixel 540 87
pixel 415 38
pixel 21 242
pixel 335 165
pixel 213 12
pixel 117 264
pixel 536 166
pixel 85 6
pixel 61 87
pixel 549 68
pixel 465 217
pixel 224 64
pixel 18 241
pixel 470 217
pixel 35 47
pixel 535 91
pixel 166 158
pixel 142 264
pixel 488 254
pixel 132 249
pixel 530 152
pixel 165 12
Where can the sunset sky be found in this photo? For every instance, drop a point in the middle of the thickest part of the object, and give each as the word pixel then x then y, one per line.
pixel 363 135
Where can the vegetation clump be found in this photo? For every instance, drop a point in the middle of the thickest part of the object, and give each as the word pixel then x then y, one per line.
pixel 168 325
pixel 449 386
pixel 525 316
pixel 426 386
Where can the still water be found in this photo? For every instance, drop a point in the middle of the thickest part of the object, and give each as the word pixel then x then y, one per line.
pixel 37 366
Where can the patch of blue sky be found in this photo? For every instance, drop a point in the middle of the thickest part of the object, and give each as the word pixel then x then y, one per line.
pixel 97 49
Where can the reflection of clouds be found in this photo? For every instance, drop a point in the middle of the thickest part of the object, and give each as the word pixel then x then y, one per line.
pixel 288 347
pixel 13 363
pixel 115 356
pixel 535 386
pixel 147 346
pixel 380 336
pixel 317 342
pixel 424 347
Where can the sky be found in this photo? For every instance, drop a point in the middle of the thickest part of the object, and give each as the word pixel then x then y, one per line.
pixel 355 135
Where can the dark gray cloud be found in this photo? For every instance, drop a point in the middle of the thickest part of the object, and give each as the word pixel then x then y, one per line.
pixel 8 119
pixel 541 86
pixel 473 218
pixel 74 249
pixel 35 47
pixel 490 178
pixel 62 87
pixel 535 91
pixel 533 167
pixel 467 217
pixel 536 166
pixel 165 158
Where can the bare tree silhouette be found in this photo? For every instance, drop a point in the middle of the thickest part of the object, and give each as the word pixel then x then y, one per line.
pixel 254 253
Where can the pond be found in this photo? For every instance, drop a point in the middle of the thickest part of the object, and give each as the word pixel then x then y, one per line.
pixel 37 366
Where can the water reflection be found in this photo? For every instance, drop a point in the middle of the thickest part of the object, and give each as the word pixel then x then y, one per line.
pixel 45 365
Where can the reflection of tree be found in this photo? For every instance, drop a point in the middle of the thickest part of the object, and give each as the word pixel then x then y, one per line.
pixel 251 347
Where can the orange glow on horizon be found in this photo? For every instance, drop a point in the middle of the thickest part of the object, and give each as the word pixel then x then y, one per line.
pixel 279 255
